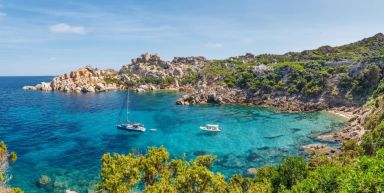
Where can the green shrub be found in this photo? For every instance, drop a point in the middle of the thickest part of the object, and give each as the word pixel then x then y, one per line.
pixel 345 82
pixel 366 175
pixel 373 140
pixel 16 190
pixel 379 90
pixel 13 156
pixel 150 80
pixel 295 66
pixel 110 80
pixel 167 80
pixel 367 80
pixel 289 172
pixel 230 81
pixel 191 79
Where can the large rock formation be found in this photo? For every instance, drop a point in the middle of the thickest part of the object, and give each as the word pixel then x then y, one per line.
pixel 85 79
pixel 149 72
pixel 213 95
pixel 145 73
pixel 153 67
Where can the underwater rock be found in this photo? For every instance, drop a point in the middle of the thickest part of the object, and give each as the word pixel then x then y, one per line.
pixel 44 180
pixel 318 148
pixel 232 161
pixel 200 152
pixel 253 156
pixel 60 184
pixel 294 130
pixel 273 136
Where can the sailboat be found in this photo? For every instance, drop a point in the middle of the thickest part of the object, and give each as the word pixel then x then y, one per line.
pixel 128 126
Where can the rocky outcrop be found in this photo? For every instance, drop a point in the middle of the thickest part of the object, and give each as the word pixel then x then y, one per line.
pixel 153 67
pixel 318 148
pixel 145 73
pixel 213 95
pixel 354 129
pixel 85 79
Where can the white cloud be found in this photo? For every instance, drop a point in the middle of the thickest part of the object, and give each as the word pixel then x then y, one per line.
pixel 213 45
pixel 52 58
pixel 66 28
pixel 2 14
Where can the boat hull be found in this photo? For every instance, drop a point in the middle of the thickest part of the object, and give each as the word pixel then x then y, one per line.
pixel 131 129
pixel 210 130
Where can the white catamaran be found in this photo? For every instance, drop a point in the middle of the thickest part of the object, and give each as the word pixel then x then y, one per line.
pixel 210 127
pixel 128 126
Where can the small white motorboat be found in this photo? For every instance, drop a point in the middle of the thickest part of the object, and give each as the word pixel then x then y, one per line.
pixel 210 127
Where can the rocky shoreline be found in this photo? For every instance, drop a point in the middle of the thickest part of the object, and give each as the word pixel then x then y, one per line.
pixel 354 129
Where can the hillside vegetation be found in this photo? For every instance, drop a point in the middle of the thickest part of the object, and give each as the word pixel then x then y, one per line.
pixel 351 72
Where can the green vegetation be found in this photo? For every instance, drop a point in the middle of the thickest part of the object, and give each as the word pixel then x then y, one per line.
pixel 150 80
pixel 367 81
pixel 306 79
pixel 110 80
pixel 16 190
pixel 351 71
pixel 191 79
pixel 13 157
pixel 3 162
pixel 156 172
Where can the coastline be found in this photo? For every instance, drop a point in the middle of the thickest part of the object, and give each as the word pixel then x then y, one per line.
pixel 342 114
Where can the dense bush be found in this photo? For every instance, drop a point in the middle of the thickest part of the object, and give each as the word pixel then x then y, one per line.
pixel 367 80
pixel 191 79
pixel 110 80
pixel 156 172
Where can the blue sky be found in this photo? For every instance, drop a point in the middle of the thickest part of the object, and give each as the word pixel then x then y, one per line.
pixel 50 37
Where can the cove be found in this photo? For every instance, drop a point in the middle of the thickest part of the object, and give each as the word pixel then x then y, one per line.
pixel 64 135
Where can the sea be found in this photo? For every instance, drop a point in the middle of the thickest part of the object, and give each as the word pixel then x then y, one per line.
pixel 64 135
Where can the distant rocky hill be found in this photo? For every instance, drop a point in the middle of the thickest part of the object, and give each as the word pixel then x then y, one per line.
pixel 296 81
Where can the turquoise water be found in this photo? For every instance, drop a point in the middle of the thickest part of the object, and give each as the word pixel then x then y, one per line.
pixel 64 135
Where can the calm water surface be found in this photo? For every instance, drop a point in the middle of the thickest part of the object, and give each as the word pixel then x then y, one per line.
pixel 64 135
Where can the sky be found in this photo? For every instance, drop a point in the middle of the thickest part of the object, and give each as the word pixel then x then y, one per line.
pixel 50 37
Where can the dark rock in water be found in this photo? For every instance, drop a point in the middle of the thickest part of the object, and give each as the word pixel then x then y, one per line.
pixel 257 155
pixel 263 148
pixel 283 149
pixel 199 153
pixel 232 161
pixel 253 156
pixel 273 136
pixel 295 129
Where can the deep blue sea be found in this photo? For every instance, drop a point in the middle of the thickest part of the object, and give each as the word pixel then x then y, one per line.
pixel 64 135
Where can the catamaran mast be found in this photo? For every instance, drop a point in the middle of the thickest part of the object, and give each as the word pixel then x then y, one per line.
pixel 127 106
